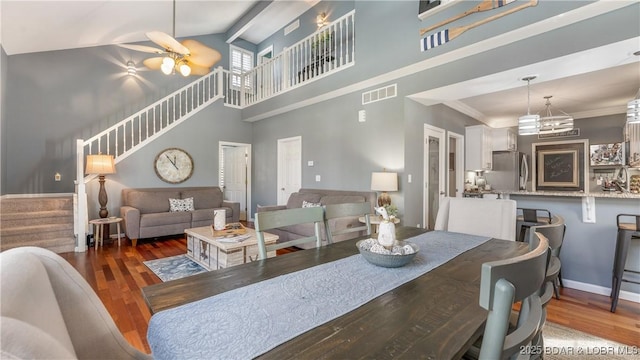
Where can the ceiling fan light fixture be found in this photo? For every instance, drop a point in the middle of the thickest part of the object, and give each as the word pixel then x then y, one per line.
pixel 131 68
pixel 166 69
pixel 169 61
pixel 185 70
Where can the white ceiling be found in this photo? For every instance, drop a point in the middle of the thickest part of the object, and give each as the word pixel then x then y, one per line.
pixel 601 84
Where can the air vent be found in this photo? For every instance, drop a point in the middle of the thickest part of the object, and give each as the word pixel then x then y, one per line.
pixel 294 25
pixel 380 94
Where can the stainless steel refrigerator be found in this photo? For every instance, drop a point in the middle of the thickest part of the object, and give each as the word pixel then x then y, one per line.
pixel 510 171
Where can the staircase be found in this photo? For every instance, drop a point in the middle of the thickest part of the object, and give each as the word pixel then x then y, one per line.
pixel 45 222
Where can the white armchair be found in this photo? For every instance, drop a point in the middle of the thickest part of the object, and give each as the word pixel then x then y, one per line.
pixel 495 218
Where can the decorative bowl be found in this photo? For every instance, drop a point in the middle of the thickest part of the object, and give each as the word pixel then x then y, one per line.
pixel 388 260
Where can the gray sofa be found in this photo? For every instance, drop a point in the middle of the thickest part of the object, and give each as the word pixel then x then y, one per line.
pixel 323 197
pixel 146 211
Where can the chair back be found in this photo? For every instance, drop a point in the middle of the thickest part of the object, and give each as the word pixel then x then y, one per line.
pixel 268 220
pixel 553 232
pixel 532 215
pixel 495 218
pixel 348 213
pixel 504 283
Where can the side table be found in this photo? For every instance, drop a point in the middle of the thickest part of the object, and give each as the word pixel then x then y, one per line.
pixel 375 221
pixel 98 229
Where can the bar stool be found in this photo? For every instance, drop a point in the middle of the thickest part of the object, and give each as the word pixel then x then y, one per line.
pixel 531 217
pixel 626 232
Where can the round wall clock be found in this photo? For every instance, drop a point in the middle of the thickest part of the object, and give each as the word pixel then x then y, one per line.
pixel 173 165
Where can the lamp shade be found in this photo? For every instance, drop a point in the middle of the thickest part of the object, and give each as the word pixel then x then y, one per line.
pixel 384 181
pixel 100 164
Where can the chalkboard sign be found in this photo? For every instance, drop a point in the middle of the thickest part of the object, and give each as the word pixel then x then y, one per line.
pixel 558 168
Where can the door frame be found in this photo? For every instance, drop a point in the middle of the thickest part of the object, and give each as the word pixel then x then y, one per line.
pixel 459 164
pixel 428 130
pixel 279 199
pixel 221 144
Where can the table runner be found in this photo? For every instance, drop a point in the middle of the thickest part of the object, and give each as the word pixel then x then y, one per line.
pixel 249 321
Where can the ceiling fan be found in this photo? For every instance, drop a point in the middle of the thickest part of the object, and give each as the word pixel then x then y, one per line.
pixel 189 57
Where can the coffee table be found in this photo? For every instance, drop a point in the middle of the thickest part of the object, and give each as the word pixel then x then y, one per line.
pixel 219 253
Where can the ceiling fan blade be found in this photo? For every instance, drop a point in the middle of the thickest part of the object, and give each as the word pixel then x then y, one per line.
pixel 201 54
pixel 167 42
pixel 197 69
pixel 153 63
pixel 143 48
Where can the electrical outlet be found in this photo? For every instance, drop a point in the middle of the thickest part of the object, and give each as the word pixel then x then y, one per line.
pixel 317 178
pixel 310 163
pixel 57 177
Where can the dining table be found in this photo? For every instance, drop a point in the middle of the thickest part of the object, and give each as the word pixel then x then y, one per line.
pixel 434 315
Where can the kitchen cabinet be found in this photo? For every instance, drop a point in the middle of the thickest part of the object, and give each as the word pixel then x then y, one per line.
pixel 478 148
pixel 504 139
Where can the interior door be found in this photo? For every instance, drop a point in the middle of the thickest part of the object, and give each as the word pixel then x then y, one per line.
pixel 289 168
pixel 434 173
pixel 234 174
pixel 455 164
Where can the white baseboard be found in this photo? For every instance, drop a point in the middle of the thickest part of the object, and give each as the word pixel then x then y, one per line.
pixel 600 290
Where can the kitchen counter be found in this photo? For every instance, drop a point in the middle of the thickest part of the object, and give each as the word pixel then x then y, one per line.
pixel 603 194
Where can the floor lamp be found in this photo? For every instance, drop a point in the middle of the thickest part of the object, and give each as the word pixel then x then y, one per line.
pixel 101 165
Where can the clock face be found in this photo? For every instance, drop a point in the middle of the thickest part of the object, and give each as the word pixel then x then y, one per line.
pixel 173 165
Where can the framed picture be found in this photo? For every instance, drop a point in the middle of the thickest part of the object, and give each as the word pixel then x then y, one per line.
pixel 558 168
pixel 606 154
pixel 560 165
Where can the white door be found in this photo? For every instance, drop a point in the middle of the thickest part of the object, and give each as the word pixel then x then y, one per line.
pixel 289 167
pixel 235 174
pixel 455 165
pixel 434 173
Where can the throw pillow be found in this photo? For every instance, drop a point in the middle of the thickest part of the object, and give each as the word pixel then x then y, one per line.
pixel 176 205
pixel 306 204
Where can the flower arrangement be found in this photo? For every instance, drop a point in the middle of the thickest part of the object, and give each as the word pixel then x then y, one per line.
pixel 392 210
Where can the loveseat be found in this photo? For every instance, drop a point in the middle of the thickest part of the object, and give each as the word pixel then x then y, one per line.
pixel 320 197
pixel 49 311
pixel 148 212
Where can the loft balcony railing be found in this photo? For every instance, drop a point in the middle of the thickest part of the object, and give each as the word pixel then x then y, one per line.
pixel 328 50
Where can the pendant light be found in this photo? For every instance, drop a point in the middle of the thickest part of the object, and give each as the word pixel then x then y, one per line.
pixel 554 123
pixel 529 124
pixel 633 110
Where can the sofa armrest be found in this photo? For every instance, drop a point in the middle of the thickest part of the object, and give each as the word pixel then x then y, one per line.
pixel 271 208
pixel 131 217
pixel 235 209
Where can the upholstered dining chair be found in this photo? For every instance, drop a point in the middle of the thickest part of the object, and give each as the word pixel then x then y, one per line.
pixel 504 283
pixel 554 232
pixel 287 217
pixel 350 214
pixel 495 218
pixel 526 218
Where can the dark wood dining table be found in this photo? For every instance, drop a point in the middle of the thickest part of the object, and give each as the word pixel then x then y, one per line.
pixel 435 316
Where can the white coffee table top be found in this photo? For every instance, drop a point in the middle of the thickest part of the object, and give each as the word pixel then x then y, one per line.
pixel 206 233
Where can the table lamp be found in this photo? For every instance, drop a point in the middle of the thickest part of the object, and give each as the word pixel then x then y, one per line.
pixel 384 181
pixel 101 165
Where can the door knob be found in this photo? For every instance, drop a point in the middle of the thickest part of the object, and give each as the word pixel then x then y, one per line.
pixel 282 189
pixel 441 192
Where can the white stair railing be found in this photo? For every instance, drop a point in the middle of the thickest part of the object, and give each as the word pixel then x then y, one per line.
pixel 328 50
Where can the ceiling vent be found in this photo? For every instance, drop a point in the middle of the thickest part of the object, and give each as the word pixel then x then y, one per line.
pixel 379 94
pixel 294 25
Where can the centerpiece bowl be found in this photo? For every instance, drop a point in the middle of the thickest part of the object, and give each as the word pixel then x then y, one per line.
pixel 387 260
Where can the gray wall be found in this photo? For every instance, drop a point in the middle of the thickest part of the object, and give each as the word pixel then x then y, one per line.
pixel 3 107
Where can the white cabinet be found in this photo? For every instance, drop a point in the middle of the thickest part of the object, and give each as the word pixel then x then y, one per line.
pixel 504 139
pixel 478 148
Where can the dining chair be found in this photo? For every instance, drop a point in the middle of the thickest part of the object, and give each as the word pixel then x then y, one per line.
pixel 554 232
pixel 504 283
pixel 628 229
pixel 526 218
pixel 494 218
pixel 347 217
pixel 287 217
pixel 546 293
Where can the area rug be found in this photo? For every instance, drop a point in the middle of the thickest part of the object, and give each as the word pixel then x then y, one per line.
pixel 174 267
pixel 562 343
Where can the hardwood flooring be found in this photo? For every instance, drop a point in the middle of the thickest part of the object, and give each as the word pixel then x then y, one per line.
pixel 118 274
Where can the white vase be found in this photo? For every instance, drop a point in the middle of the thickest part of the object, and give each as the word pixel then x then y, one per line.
pixel 386 233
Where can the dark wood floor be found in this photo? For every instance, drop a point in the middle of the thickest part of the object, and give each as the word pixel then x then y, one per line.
pixel 118 274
